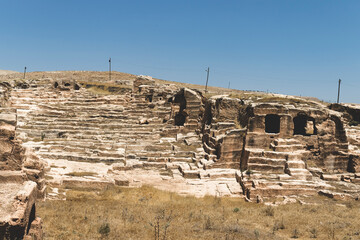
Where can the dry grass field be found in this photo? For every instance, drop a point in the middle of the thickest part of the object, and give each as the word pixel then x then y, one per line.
pixel 147 213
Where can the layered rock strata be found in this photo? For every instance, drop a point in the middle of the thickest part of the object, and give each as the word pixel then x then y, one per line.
pixel 139 131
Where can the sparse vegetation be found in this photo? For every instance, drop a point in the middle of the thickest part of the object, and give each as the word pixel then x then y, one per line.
pixel 105 88
pixel 313 233
pixel 353 123
pixel 295 233
pixel 147 213
pixel 104 230
pixel 269 211
pixel 263 97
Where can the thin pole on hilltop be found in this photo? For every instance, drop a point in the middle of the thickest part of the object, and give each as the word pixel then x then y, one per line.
pixel 110 69
pixel 207 78
pixel 24 72
pixel 338 91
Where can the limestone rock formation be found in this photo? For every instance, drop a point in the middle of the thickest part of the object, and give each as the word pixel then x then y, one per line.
pixel 20 182
pixel 146 131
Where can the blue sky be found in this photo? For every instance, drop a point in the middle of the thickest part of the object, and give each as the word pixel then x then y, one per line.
pixel 298 47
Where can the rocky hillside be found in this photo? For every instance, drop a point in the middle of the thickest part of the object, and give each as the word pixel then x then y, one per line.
pixel 134 130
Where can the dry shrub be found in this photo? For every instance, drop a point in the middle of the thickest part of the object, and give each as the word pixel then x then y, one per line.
pixel 269 211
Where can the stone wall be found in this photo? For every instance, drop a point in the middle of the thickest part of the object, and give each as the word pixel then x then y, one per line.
pixel 21 182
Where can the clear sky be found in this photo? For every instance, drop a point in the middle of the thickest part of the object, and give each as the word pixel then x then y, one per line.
pixel 297 47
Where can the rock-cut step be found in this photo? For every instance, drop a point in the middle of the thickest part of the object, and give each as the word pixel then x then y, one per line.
pixel 266 165
pixel 265 168
pixel 299 173
pixel 79 158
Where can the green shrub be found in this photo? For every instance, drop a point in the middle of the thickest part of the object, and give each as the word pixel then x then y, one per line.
pixel 104 229
pixel 236 210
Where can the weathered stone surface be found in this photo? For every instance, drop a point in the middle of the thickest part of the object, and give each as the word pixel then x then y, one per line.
pixel 87 184
pixel 17 208
pixel 121 180
pixel 336 196
pixel 281 144
pixel 12 176
pixel 191 174
pixel 328 177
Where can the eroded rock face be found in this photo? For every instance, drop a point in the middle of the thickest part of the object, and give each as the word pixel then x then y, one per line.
pixel 277 139
pixel 65 85
pixel 20 181
pixel 277 147
pixel 18 211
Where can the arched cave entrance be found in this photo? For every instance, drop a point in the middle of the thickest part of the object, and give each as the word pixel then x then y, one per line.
pixel 304 125
pixel 272 123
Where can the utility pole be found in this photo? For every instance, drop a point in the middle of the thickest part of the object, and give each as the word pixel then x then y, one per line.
pixel 24 72
pixel 338 91
pixel 207 78
pixel 229 85
pixel 110 69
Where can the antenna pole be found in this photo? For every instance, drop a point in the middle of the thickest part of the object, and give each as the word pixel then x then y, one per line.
pixel 207 78
pixel 110 69
pixel 338 91
pixel 24 72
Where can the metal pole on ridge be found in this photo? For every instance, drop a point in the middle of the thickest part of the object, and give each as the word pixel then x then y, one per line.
pixel 207 78
pixel 338 91
pixel 110 69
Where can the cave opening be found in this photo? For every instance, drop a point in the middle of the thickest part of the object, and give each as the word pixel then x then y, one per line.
pixel 56 84
pixel 304 125
pixel 180 99
pixel 300 123
pixel 310 126
pixel 272 123
pixel 180 119
pixel 180 116
pixel 149 98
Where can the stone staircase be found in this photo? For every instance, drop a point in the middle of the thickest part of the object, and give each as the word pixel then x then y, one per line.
pixel 279 170
pixel 295 165
pixel 82 127
pixel 266 161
